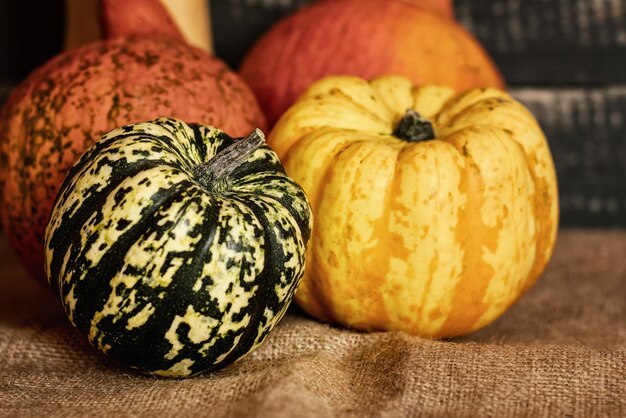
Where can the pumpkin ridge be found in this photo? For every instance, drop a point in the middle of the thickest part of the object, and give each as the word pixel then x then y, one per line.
pixel 94 200
pixel 467 102
pixel 321 277
pixel 286 200
pixel 349 99
pixel 327 136
pixel 351 254
pixel 232 339
pixel 532 186
pixel 544 229
pixel 100 281
pixel 434 261
pixel 242 335
pixel 383 320
pixel 528 160
pixel 458 321
pixel 376 315
pixel 322 288
pixel 274 259
pixel 177 295
pixel 143 137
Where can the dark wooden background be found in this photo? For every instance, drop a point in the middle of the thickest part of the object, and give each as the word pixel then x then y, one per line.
pixel 565 59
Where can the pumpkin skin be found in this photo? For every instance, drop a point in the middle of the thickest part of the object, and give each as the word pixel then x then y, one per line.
pixel 365 38
pixel 163 270
pixel 70 102
pixel 436 237
pixel 443 8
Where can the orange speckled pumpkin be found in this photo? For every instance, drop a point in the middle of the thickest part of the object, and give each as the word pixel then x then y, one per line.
pixel 431 220
pixel 414 38
pixel 66 105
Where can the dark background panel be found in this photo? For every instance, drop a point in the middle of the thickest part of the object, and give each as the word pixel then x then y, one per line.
pixel 238 23
pixel 585 127
pixel 30 33
pixel 552 41
pixel 565 59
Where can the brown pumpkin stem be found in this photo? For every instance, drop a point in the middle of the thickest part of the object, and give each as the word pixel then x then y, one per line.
pixel 414 128
pixel 213 173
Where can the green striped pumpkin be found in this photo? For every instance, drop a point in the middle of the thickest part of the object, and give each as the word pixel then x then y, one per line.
pixel 175 248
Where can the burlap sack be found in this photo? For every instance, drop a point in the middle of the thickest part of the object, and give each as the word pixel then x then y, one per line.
pixel 561 351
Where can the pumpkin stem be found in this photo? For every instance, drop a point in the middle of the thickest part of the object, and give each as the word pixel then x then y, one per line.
pixel 137 17
pixel 414 128
pixel 214 172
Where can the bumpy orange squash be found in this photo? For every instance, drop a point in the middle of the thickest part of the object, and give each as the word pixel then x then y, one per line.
pixel 54 115
pixel 431 220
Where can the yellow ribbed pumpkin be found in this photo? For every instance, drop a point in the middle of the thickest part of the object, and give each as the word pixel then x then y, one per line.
pixel 432 223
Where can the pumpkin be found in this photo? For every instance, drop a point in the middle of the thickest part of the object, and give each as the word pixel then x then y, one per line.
pixel 145 17
pixel 174 248
pixel 66 105
pixel 414 38
pixel 434 211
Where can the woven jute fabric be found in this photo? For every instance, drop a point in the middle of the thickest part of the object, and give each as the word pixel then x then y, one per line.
pixel 560 351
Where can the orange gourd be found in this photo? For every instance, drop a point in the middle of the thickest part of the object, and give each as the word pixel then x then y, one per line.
pixel 414 38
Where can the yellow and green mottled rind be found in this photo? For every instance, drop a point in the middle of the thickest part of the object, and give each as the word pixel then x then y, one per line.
pixel 435 238
pixel 162 273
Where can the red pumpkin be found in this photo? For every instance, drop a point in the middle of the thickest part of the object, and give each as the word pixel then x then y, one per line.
pixel 66 105
pixel 417 39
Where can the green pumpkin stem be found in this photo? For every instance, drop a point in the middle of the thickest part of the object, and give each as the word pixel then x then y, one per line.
pixel 414 128
pixel 213 173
